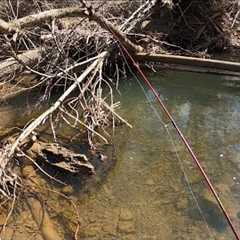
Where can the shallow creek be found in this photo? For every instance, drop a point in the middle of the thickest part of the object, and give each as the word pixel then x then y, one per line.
pixel 154 191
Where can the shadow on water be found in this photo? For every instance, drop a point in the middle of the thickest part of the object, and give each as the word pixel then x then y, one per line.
pixel 212 214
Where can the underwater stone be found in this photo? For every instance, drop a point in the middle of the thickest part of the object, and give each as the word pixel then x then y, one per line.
pixel 28 171
pixel 126 227
pixel 182 203
pixel 110 229
pixel 92 230
pixel 125 215
pixel 211 212
pixel 150 182
pixel 130 237
pixel 68 190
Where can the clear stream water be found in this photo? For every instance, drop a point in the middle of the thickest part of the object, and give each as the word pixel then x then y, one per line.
pixel 154 191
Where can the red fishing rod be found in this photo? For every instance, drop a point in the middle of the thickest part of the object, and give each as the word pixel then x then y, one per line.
pixel 183 138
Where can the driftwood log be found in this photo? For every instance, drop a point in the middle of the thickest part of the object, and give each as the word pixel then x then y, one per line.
pixel 60 157
pixel 31 57
pixel 197 64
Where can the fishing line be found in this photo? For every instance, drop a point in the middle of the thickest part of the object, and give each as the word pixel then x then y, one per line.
pixel 173 142
pixel 183 138
pixel 179 132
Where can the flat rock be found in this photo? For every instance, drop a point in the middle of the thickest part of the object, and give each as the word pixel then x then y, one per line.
pixel 131 237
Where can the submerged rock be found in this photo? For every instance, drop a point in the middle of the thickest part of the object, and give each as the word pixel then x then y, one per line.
pixel 125 215
pixel 46 225
pixel 130 237
pixel 150 182
pixel 92 230
pixel 182 203
pixel 126 227
pixel 110 228
pixel 68 190
pixel 126 223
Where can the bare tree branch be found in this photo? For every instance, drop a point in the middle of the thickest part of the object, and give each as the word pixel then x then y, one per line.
pixel 56 105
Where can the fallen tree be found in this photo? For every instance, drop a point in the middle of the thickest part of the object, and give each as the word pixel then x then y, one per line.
pixel 75 50
pixel 210 65
pixel 31 57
